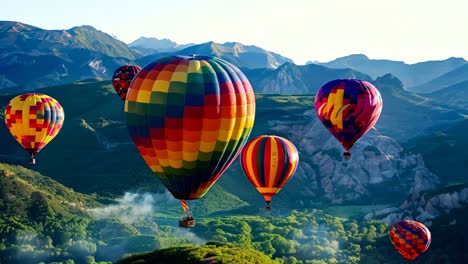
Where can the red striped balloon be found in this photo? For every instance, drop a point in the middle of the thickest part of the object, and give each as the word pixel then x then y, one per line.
pixel 269 162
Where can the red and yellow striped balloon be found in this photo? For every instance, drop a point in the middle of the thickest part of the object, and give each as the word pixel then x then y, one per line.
pixel 269 162
pixel 34 120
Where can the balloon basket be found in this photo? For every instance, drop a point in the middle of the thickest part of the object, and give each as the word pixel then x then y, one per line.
pixel 347 155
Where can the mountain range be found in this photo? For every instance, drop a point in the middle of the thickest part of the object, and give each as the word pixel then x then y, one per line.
pixel 443 82
pixel 411 75
pixel 32 57
pixel 250 57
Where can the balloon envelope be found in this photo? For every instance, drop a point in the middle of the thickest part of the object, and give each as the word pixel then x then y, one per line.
pixel 410 238
pixel 189 117
pixel 269 162
pixel 348 108
pixel 34 120
pixel 122 78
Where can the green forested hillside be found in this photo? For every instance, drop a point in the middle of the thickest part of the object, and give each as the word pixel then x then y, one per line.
pixel 316 238
pixel 209 253
pixel 40 218
pixel 44 221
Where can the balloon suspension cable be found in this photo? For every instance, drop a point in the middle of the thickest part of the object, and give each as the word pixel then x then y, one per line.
pixel 347 155
pixel 268 207
pixel 33 159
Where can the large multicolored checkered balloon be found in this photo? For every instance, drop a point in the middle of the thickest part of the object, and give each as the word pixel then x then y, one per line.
pixel 269 162
pixel 348 108
pixel 122 78
pixel 189 117
pixel 410 238
pixel 34 120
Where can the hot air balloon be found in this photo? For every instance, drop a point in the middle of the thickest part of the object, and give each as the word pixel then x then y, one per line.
pixel 122 78
pixel 410 238
pixel 348 108
pixel 189 117
pixel 34 120
pixel 269 162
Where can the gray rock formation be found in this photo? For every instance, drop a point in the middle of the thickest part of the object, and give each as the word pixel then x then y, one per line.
pixel 424 207
pixel 378 164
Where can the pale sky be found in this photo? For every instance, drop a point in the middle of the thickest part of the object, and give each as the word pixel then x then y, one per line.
pixel 322 30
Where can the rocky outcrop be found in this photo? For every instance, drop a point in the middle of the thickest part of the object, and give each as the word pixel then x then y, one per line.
pixel 425 207
pixel 379 166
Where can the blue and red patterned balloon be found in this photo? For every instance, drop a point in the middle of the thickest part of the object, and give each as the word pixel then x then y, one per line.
pixel 410 238
pixel 348 108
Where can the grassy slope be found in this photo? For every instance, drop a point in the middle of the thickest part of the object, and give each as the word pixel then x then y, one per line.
pixel 17 184
pixel 223 253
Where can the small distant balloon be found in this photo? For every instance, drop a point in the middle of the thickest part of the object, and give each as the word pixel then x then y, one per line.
pixel 122 78
pixel 348 108
pixel 410 238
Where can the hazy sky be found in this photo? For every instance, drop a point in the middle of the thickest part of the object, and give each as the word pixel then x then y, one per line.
pixel 408 30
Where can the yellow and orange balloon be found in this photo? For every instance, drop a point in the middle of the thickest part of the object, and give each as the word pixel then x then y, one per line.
pixel 269 162
pixel 34 120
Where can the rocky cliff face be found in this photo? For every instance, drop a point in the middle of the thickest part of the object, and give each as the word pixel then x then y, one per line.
pixel 425 207
pixel 379 171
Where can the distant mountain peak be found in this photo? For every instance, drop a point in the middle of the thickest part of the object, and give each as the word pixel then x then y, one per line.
pixel 247 56
pixel 388 82
pixel 84 27
pixel 152 38
pixel 150 45
pixel 151 42
pixel 355 56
